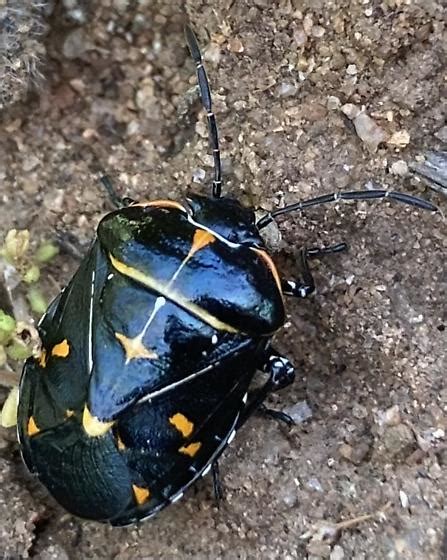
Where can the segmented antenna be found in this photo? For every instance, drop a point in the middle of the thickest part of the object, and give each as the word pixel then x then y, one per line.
pixel 347 195
pixel 205 95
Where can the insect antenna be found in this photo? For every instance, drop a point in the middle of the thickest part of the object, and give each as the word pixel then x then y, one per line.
pixel 347 195
pixel 205 95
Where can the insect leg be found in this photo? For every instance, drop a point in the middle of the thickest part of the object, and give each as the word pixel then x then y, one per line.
pixel 276 415
pixel 71 245
pixel 281 374
pixel 114 197
pixel 217 483
pixel 307 286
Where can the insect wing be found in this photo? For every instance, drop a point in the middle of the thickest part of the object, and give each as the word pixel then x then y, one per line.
pixel 171 441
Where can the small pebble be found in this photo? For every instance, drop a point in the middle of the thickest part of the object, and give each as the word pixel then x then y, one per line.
pixel 403 499
pixel 30 163
pixel 318 31
pixel 287 89
pixel 308 23
pixel 121 5
pixel 235 45
pixel 359 411
pixel 144 97
pixel 371 134
pixel 75 44
pixel 76 11
pixel 300 37
pixel 314 484
pixel 389 417
pixel 399 168
pixel 356 454
pixel 317 549
pixel 198 175
pixel 271 235
pixel 54 552
pixel 351 110
pixel 441 134
pixel 299 412
pixel 333 103
pixel 337 553
pixel 395 445
pixel 399 139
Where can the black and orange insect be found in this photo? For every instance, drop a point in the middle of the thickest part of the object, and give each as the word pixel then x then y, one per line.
pixel 149 353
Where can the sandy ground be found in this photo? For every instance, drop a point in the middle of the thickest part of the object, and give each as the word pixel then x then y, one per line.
pixel 369 348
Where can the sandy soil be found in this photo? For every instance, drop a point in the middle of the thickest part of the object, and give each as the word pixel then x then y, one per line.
pixel 369 347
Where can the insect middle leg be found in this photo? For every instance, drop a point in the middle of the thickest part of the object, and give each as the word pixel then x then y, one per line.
pixel 281 374
pixel 306 286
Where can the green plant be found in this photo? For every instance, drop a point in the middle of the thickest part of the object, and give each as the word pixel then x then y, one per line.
pixel 19 339
pixel 16 252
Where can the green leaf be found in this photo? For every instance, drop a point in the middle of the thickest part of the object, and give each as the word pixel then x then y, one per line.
pixel 9 410
pixel 32 274
pixel 46 252
pixel 37 301
pixel 19 351
pixel 7 326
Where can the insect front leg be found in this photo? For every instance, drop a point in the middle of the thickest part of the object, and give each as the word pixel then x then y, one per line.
pixel 117 200
pixel 306 286
pixel 69 244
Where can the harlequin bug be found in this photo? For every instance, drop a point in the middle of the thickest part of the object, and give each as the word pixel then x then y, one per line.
pixel 148 355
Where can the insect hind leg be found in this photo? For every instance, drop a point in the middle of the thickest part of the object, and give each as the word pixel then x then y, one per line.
pixel 217 483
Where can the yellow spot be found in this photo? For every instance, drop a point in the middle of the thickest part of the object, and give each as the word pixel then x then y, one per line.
pixel 32 427
pixel 43 358
pixel 142 495
pixel 134 348
pixel 120 443
pixel 270 265
pixel 61 350
pixel 191 449
pixel 93 426
pixel 201 239
pixel 69 413
pixel 171 294
pixel 161 204
pixel 183 425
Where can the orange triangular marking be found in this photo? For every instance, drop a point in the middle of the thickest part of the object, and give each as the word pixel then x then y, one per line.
pixel 61 350
pixel 32 427
pixel 201 239
pixel 183 425
pixel 191 449
pixel 142 495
